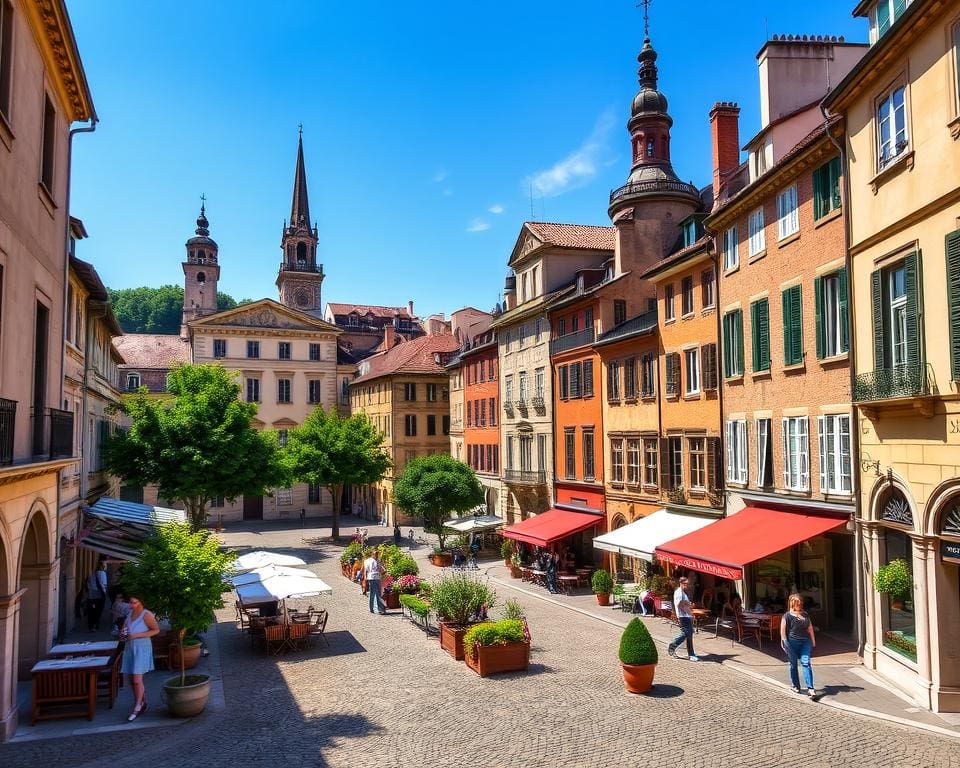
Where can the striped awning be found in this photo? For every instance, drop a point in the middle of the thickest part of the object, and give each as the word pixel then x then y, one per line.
pixel 118 529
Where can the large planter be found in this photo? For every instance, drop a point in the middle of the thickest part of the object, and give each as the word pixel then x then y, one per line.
pixel 451 639
pixel 516 572
pixel 506 562
pixel 392 600
pixel 603 599
pixel 442 560
pixel 188 700
pixel 496 659
pixel 638 678
pixel 347 570
pixel 191 655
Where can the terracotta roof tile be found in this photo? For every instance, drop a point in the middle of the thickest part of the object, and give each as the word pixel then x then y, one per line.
pixel 573 235
pixel 152 350
pixel 363 309
pixel 414 356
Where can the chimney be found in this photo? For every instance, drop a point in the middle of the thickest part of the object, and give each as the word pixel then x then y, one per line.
pixel 725 135
pixel 410 308
pixel 389 337
pixel 510 292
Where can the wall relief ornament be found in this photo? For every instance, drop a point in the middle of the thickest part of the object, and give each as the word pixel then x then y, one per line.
pixel 951 520
pixel 262 318
pixel 897 510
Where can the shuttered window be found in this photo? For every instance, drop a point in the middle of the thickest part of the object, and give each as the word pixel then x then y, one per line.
pixel 760 334
pixel 830 298
pixel 586 383
pixel 575 370
pixel 709 355
pixel 733 344
pixel 672 361
pixel 896 322
pixel 826 188
pixel 796 454
pixel 953 295
pixel 792 326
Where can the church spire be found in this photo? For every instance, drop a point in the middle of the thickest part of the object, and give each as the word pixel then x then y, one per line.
pixel 300 209
pixel 300 276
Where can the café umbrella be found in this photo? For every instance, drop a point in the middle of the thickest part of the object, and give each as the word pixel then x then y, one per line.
pixel 261 558
pixel 280 587
pixel 259 574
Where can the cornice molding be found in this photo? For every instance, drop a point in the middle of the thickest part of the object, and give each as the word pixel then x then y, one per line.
pixel 58 47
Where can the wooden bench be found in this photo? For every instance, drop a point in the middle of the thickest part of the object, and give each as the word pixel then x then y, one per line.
pixel 59 693
pixel 109 681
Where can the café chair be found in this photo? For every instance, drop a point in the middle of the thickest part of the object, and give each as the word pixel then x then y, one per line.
pixel 275 637
pixel 299 633
pixel 317 625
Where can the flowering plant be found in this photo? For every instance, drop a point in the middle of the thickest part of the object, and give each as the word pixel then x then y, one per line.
pixel 387 585
pixel 407 585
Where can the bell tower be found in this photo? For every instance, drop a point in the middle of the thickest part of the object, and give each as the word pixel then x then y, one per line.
pixel 300 276
pixel 201 272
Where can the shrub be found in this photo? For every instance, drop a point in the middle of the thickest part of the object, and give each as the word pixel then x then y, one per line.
pixel 636 645
pixel 438 550
pixel 512 610
pixel 894 579
pixel 506 549
pixel 493 633
pixel 389 553
pixel 661 585
pixel 404 565
pixel 351 553
pixel 459 598
pixel 415 605
pixel 601 583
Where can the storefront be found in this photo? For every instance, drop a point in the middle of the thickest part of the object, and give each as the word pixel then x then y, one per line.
pixel 559 529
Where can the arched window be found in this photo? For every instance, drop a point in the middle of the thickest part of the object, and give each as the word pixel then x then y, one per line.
pixel 651 146
pixel 202 257
pixel 201 277
pixel 301 254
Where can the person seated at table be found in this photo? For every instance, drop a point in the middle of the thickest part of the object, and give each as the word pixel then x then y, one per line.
pixel 119 610
pixel 648 606
pixel 569 559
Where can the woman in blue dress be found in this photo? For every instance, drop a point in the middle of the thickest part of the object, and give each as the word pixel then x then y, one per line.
pixel 139 627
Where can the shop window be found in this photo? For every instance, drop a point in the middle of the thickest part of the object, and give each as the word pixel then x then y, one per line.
pixel 899 622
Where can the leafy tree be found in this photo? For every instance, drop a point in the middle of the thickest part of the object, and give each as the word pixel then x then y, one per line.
pixel 155 310
pixel 333 451
pixel 434 487
pixel 197 445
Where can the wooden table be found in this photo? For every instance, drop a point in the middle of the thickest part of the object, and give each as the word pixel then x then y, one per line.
pixel 699 616
pixel 102 647
pixel 567 581
pixel 769 622
pixel 65 687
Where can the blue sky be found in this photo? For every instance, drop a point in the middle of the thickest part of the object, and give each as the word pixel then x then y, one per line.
pixel 426 125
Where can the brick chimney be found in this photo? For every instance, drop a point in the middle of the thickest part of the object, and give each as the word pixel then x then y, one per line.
pixel 725 135
pixel 389 337
pixel 410 308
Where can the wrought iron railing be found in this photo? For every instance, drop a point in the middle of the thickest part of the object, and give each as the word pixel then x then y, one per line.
pixel 525 476
pixel 286 266
pixel 572 341
pixel 890 383
pixel 645 187
pixel 521 405
pixel 538 403
pixel 8 417
pixel 52 434
pixel 643 322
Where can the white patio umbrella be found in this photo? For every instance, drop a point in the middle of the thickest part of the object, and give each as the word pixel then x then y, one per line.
pixel 259 574
pixel 281 587
pixel 259 559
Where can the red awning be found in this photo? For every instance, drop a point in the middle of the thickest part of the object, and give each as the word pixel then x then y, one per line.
pixel 724 547
pixel 550 526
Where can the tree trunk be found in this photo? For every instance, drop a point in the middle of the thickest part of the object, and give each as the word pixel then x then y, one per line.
pixel 196 511
pixel 336 495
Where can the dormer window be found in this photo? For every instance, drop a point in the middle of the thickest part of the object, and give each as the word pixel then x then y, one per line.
pixel 884 15
pixel 689 232
pixel 133 382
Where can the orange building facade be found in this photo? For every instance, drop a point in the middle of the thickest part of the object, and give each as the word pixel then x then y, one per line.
pixel 480 369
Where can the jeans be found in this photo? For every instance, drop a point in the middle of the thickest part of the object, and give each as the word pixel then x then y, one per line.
pixel 686 633
pixel 799 650
pixel 373 594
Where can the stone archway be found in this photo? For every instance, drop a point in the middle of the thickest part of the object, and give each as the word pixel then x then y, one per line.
pixel 8 645
pixel 491 501
pixel 33 632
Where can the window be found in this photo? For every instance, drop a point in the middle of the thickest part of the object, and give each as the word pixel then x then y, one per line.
pixel 619 311
pixel 737 451
pixel 446 424
pixel 710 379
pixel 562 327
pixel 648 375
pixel 826 189
pixel 282 436
pixel 541 452
pixel 760 334
pixel 48 149
pixel 313 494
pixel 284 497
pixel 616 460
pixel 526 453
pixel 630 378
pixel 133 382
pixel 219 348
pixel 899 618
pixel 792 326
pixel 588 318
pixel 613 381
pixel 6 56
pixel 216 502
pixel 892 139
pixel 432 423
pixel 733 344
pixel 538 383
pixel 674 463
pixel 686 300
pixel 315 352
pixel 835 475
pixel 253 349
pixel 313 391
pixel 283 350
pixel 689 232
pixel 574 323
pixel 410 425
pixel 470 413
pixel 534 282
pixel 283 390
pixel 587 379
pixel 432 391
pixel 758 241
pixel 493 412
pixel 692 382
pixel 764 454
pixel 538 329
pixel 409 392
pixel 633 461
pixel 523 387
pixel 588 473
pixel 731 249
pixel 650 462
pixel 482 421
pixel 253 390
pixel 788 217
pixel 830 294
pixel 796 454
pixel 698 463
pixel 672 365
pixel 708 289
pixel 668 302
pixel 883 15
pixel 508 390
pixel 490 373
pixel 569 452
pixel 575 370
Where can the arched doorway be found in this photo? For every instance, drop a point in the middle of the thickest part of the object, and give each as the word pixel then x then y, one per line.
pixel 620 565
pixel 34 614
pixel 8 677
pixel 491 501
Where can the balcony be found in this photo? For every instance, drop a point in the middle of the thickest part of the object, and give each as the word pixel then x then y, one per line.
pixel 8 415
pixel 572 341
pixel 525 476
pixel 521 405
pixel 644 322
pixel 539 405
pixel 52 434
pixel 657 186
pixel 301 267
pixel 912 386
pixel 508 407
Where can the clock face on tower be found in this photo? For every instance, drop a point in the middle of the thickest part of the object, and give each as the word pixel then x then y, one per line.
pixel 301 297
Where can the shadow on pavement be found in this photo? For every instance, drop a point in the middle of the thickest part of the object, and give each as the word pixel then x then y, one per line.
pixel 660 691
pixel 342 642
pixel 833 690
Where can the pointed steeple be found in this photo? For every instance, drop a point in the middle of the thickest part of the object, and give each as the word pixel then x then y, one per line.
pixel 300 209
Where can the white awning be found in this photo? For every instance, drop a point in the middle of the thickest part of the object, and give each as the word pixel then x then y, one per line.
pixel 474 523
pixel 641 537
pixel 117 528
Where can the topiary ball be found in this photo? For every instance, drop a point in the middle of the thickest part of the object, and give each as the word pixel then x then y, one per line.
pixel 636 645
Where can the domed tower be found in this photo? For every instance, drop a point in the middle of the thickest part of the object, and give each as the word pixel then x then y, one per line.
pixel 300 276
pixel 201 272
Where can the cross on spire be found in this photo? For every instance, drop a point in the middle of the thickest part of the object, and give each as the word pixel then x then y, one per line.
pixel 203 202
pixel 646 16
pixel 300 127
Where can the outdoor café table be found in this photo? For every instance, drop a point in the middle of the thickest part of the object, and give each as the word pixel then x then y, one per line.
pixel 769 622
pixel 568 581
pixel 74 649
pixel 538 576
pixel 65 687
pixel 699 615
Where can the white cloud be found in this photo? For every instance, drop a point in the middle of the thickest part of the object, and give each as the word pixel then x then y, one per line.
pixel 441 175
pixel 496 209
pixel 579 167
pixel 478 225
pixel 447 193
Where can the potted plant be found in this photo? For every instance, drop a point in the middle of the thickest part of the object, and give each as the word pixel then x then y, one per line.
pixel 493 647
pixel 391 598
pixel 458 601
pixel 192 646
pixel 662 586
pixel 602 585
pixel 180 577
pixel 638 657
pixel 515 571
pixel 896 580
pixel 506 551
pixel 441 557
pixel 351 554
pixel 402 565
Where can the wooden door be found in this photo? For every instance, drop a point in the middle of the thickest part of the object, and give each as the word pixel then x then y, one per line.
pixel 253 507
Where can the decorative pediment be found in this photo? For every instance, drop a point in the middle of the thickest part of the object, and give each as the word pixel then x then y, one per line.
pixel 265 313
pixel 527 243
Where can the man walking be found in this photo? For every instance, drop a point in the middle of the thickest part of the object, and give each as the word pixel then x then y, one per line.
pixel 96 596
pixel 684 609
pixel 373 572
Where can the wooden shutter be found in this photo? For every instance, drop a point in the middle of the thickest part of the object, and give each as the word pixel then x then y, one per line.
pixel 819 208
pixel 587 378
pixel 727 346
pixel 709 352
pixel 911 267
pixel 671 373
pixel 844 319
pixel 755 335
pixel 575 369
pixel 953 298
pixel 665 464
pixel 820 319
pixel 792 326
pixel 876 293
pixel 738 323
pixel 714 461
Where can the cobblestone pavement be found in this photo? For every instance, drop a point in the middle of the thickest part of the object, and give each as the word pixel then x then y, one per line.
pixel 384 694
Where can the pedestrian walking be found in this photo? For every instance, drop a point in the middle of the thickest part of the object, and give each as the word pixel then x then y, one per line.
pixel 373 571
pixel 684 610
pixel 96 596
pixel 396 535
pixel 137 630
pixel 798 640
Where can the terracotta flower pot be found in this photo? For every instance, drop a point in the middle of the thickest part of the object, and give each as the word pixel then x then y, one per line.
pixel 392 600
pixel 638 678
pixel 442 560
pixel 603 599
pixel 506 562
pixel 451 639
pixel 191 655
pixel 495 659
pixel 515 572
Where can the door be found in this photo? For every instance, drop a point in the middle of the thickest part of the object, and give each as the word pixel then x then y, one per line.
pixel 253 507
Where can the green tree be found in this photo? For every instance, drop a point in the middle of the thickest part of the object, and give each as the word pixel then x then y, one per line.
pixel 434 487
pixel 155 310
pixel 333 452
pixel 197 445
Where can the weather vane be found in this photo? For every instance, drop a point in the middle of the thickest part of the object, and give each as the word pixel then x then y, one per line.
pixel 646 16
pixel 203 200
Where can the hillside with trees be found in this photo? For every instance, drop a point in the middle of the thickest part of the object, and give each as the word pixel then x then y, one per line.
pixel 156 310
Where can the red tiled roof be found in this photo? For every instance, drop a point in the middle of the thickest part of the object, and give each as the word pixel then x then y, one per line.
pixel 573 235
pixel 152 350
pixel 363 309
pixel 414 356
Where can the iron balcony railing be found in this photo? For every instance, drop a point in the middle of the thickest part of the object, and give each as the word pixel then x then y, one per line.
pixel 648 187
pixel 525 476
pixel 890 383
pixel 643 322
pixel 572 341
pixel 538 403
pixel 286 266
pixel 8 417
pixel 52 434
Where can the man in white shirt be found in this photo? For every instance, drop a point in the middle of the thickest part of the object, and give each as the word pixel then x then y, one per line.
pixel 373 571
pixel 684 610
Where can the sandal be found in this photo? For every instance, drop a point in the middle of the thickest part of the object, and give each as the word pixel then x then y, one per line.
pixel 134 715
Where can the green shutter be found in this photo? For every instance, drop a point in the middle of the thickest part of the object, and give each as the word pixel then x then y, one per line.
pixel 755 334
pixel 834 182
pixel 792 326
pixel 819 204
pixel 876 294
pixel 911 267
pixel 726 346
pixel 844 319
pixel 953 299
pixel 738 321
pixel 821 329
pixel 763 331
